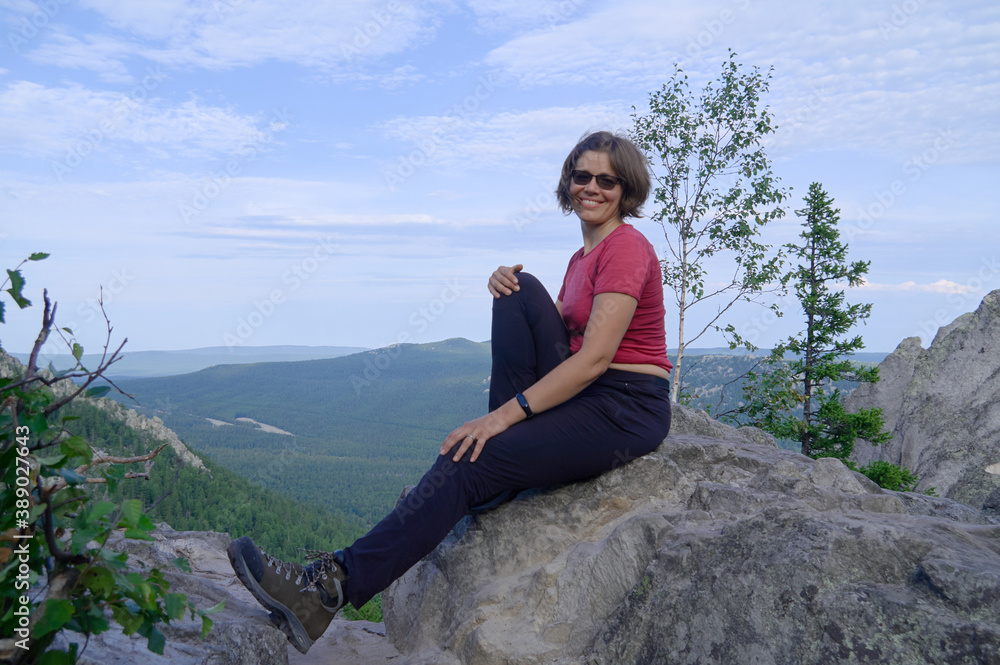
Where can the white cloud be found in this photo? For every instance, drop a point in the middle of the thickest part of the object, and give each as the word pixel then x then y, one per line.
pixel 851 75
pixel 45 121
pixel 535 140
pixel 232 33
pixel 940 286
pixel 97 53
pixel 505 15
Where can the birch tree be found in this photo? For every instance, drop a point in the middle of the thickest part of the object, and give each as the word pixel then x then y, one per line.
pixel 715 193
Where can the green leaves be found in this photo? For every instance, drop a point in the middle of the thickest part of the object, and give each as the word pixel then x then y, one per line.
pixel 55 614
pixel 99 391
pixel 131 511
pixel 84 579
pixel 16 280
pixel 76 446
pixel 206 623
pixel 137 526
pixel 176 603
pixel 715 192
pixel 821 351
pixel 890 476
pixel 16 286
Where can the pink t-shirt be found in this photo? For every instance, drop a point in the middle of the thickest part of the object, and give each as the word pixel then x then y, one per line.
pixel 624 262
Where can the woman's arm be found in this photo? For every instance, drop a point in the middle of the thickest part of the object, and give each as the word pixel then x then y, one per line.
pixel 609 319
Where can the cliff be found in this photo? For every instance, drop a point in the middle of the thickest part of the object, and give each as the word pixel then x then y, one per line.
pixel 942 405
pixel 151 428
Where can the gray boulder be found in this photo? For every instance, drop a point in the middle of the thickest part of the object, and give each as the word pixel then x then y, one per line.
pixel 942 405
pixel 241 634
pixel 708 551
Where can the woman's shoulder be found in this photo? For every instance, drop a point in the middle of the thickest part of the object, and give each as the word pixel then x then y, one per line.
pixel 628 238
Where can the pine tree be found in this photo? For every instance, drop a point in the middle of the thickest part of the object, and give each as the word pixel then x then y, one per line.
pixel 820 353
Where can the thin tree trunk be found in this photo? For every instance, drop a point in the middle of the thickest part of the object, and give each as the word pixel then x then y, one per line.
pixel 680 355
pixel 807 383
pixel 675 389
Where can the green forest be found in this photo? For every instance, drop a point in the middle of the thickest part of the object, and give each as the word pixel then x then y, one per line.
pixel 362 426
pixel 218 499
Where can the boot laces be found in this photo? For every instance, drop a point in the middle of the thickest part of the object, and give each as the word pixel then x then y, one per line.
pixel 289 569
pixel 323 563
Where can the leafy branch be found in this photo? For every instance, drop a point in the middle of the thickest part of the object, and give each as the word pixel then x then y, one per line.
pixel 716 192
pixel 66 579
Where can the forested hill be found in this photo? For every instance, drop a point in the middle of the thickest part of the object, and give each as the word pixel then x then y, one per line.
pixel 353 430
pixel 209 498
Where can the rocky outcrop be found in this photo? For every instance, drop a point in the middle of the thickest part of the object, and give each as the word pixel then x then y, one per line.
pixel 708 551
pixel 241 634
pixel 942 405
pixel 685 420
pixel 152 428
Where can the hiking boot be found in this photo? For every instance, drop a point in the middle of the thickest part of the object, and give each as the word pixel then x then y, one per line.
pixel 302 599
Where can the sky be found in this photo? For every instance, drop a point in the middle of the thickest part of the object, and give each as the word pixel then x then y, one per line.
pixel 255 172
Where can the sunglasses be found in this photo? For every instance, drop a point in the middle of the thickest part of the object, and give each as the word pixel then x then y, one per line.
pixel 604 181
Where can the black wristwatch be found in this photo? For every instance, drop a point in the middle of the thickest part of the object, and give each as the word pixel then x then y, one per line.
pixel 524 405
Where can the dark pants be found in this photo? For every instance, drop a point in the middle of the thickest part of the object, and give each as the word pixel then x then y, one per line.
pixel 621 416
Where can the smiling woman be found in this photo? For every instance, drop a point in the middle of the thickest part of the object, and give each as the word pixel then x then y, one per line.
pixel 578 387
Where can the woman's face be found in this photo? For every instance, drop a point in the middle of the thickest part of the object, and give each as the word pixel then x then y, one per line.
pixel 592 204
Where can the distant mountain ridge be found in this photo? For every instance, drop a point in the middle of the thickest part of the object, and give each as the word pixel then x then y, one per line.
pixel 861 357
pixel 186 361
pixel 168 363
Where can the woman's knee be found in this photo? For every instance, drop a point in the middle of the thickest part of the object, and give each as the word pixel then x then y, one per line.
pixel 530 288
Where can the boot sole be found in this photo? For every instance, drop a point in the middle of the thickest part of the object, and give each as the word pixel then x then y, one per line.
pixel 281 616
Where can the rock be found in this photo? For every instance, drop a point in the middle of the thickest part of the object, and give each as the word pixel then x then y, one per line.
pixel 708 551
pixel 153 429
pixel 685 420
pixel 242 634
pixel 348 643
pixel 942 405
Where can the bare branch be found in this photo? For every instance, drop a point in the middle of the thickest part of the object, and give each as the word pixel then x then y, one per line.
pixel 122 460
pixel 722 393
pixel 48 317
pixel 147 458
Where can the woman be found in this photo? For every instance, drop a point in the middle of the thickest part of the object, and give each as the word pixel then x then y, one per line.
pixel 578 387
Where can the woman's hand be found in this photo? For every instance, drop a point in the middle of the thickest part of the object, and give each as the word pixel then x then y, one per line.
pixel 503 281
pixel 474 433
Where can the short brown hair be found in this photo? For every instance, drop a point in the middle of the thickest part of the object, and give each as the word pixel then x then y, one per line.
pixel 629 165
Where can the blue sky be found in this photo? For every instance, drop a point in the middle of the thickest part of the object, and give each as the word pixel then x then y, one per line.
pixel 258 172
